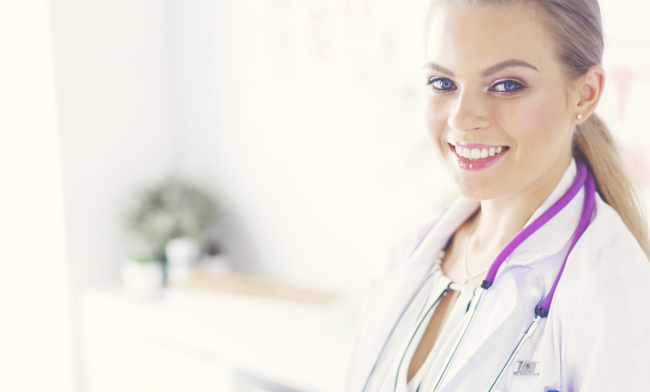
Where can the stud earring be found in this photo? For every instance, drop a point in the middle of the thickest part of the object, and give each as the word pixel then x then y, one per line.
pixel 579 116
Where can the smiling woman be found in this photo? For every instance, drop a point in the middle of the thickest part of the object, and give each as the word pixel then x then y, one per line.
pixel 512 89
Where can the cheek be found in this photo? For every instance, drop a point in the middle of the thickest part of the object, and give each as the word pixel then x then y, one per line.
pixel 538 126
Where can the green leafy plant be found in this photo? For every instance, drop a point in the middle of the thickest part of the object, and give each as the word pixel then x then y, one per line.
pixel 169 210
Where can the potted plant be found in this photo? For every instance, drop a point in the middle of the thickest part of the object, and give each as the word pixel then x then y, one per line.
pixel 172 218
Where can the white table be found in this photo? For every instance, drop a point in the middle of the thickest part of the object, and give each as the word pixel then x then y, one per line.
pixel 193 340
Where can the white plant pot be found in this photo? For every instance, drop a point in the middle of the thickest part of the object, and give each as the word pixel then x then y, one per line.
pixel 142 280
pixel 182 254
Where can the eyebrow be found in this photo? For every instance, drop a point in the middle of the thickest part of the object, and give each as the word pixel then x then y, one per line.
pixel 487 72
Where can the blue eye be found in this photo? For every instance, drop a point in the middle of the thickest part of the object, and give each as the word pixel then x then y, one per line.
pixel 505 86
pixel 508 86
pixel 441 84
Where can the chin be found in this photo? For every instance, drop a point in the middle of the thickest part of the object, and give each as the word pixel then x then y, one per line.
pixel 475 192
pixel 476 186
pixel 485 184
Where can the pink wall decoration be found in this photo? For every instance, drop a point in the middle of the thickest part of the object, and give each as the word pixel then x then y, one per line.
pixel 320 32
pixel 623 78
pixel 637 165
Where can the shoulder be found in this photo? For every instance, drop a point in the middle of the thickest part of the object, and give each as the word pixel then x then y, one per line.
pixel 412 234
pixel 602 304
pixel 607 342
pixel 609 244
pixel 605 259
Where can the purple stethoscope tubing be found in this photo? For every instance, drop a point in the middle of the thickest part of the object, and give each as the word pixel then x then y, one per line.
pixel 583 177
pixel 587 211
pixel 541 311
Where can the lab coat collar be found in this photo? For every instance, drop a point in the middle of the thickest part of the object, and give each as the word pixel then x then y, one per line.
pixel 546 241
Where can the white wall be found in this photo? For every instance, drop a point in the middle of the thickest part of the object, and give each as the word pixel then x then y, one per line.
pixel 114 95
pixel 306 118
pixel 35 331
pixel 113 90
pixel 303 116
pixel 625 101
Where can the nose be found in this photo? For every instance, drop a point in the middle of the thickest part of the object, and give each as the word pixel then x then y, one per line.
pixel 468 112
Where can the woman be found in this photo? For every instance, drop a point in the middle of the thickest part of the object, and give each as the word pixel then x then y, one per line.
pixel 512 87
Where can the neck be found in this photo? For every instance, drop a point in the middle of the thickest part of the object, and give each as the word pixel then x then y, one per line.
pixel 499 220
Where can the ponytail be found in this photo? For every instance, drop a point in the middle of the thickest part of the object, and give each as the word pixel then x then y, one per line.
pixel 595 146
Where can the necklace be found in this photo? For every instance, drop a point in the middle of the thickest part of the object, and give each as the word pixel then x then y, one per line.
pixel 467 275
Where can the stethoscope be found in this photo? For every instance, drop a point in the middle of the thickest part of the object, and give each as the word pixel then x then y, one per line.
pixel 583 177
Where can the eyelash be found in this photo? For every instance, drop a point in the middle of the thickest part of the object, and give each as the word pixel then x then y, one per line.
pixel 506 92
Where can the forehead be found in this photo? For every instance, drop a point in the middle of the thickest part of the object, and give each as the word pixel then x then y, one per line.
pixel 478 36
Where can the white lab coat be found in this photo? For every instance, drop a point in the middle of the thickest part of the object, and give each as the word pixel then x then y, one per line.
pixel 596 336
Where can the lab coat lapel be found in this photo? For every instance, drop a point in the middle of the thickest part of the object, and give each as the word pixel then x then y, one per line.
pixel 501 319
pixel 457 213
pixel 391 293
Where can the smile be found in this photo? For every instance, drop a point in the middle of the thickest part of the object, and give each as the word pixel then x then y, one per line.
pixel 472 156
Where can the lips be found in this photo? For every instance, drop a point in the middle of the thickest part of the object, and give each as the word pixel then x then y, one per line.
pixel 475 156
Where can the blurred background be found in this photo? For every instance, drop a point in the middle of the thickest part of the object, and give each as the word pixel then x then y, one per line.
pixel 196 193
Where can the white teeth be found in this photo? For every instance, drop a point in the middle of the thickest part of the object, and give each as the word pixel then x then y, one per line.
pixel 477 153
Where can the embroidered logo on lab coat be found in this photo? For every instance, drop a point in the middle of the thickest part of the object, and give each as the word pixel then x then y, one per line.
pixel 528 368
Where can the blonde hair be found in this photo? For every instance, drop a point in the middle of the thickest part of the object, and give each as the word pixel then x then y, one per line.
pixel 576 28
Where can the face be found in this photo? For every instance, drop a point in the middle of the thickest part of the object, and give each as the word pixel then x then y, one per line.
pixel 497 106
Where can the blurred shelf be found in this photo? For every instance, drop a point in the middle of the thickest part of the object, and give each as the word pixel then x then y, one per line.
pixel 257 286
pixel 194 333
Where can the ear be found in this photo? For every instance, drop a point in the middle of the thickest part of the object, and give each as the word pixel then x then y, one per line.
pixel 590 89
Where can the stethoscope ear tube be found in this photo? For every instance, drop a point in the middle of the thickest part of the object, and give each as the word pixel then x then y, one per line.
pixel 527 334
pixel 421 317
pixel 374 366
pixel 454 349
